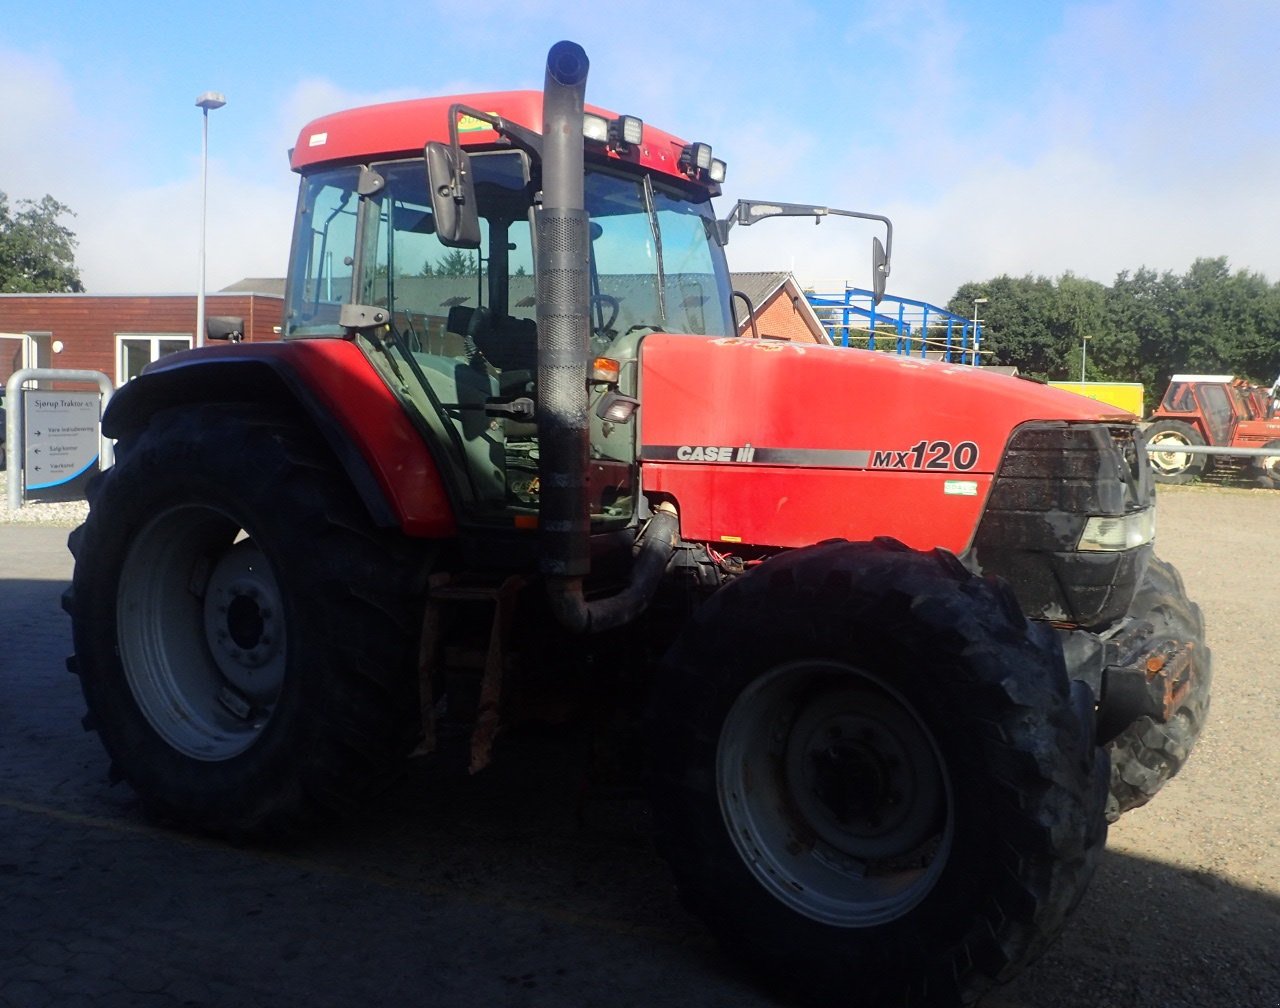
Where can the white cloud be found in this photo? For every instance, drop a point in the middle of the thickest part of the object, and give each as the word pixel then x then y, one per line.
pixel 1137 134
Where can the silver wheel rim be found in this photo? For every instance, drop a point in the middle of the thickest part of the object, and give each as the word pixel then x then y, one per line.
pixel 200 627
pixel 1167 461
pixel 833 791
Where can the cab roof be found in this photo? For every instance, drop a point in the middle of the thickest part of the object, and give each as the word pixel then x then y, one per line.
pixel 402 129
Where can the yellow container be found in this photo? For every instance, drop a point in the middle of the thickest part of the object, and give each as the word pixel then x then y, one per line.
pixel 1126 395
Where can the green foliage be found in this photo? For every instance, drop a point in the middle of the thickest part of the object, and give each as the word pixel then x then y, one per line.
pixel 458 263
pixel 37 254
pixel 1144 327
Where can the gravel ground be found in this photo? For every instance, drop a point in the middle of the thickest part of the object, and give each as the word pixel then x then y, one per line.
pixel 70 514
pixel 1183 913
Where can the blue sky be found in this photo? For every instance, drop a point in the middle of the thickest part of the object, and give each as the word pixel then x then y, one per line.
pixel 1001 137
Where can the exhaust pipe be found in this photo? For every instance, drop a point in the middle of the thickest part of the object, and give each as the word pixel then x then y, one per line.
pixel 564 332
pixel 563 320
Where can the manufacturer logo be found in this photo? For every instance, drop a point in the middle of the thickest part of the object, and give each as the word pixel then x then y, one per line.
pixel 928 455
pixel 470 124
pixel 715 453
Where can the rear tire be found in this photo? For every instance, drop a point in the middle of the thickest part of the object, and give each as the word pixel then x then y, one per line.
pixel 1170 465
pixel 243 634
pixel 1147 754
pixel 872 777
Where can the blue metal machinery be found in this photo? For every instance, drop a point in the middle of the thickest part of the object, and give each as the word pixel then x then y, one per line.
pixel 917 327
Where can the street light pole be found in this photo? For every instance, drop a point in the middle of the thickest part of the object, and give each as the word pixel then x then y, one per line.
pixel 208 100
pixel 976 302
pixel 1084 343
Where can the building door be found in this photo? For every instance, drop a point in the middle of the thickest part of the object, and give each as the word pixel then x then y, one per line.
pixel 17 351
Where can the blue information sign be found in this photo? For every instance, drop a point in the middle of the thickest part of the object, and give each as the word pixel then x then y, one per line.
pixel 61 443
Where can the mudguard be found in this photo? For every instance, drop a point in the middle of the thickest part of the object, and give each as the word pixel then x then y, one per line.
pixel 332 385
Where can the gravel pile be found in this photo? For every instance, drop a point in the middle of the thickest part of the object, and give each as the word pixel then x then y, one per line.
pixel 70 514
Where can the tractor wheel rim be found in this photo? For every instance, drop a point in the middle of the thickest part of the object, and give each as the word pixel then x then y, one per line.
pixel 833 791
pixel 201 632
pixel 1167 460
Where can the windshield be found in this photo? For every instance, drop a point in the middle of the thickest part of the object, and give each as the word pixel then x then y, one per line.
pixel 462 339
pixel 655 262
pixel 660 267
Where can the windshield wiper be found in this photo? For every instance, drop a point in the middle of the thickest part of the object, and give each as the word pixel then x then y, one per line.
pixel 657 247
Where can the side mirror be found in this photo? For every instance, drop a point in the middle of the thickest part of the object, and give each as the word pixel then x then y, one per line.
pixel 224 327
pixel 453 196
pixel 879 269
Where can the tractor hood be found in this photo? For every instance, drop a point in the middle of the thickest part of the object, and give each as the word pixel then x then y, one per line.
pixel 782 444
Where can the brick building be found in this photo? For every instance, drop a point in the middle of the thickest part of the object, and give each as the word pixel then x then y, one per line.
pixel 782 311
pixel 118 334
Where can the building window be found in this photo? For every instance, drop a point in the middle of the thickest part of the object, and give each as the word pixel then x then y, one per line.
pixel 134 351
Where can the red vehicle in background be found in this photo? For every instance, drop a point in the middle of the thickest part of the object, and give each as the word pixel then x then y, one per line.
pixel 1217 410
pixel 889 635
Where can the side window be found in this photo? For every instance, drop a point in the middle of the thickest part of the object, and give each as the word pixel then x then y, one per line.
pixel 323 246
pixel 1178 399
pixel 1217 411
pixel 435 291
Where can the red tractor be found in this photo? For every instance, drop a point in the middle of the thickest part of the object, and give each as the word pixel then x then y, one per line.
pixel 889 633
pixel 1221 411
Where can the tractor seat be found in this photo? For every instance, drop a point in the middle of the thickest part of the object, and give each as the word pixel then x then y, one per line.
pixel 509 344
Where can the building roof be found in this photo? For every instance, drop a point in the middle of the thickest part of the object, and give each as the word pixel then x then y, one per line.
pixel 759 287
pixel 273 286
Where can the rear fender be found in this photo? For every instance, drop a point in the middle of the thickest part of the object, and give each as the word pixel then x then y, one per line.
pixel 331 387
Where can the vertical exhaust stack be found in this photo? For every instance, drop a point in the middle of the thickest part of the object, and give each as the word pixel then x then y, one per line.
pixel 564 336
pixel 563 320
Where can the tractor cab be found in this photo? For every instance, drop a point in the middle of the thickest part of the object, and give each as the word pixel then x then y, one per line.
pixel 452 329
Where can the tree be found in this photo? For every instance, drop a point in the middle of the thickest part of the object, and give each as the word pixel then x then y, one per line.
pixel 37 254
pixel 456 263
pixel 1019 324
pixel 1143 328
pixel 1080 317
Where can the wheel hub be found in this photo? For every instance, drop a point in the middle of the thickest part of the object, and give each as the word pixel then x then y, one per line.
pixel 243 622
pixel 201 632
pixel 863 776
pixel 851 782
pixel 834 793
pixel 1168 459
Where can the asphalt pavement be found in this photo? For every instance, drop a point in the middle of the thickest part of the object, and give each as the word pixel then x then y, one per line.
pixel 503 890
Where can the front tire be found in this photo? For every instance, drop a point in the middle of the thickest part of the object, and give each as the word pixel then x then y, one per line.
pixel 1148 753
pixel 872 777
pixel 243 635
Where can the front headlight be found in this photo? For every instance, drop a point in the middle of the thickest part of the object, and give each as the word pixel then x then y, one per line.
pixel 1111 534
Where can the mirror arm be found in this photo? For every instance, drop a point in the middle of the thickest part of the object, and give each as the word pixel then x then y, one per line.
pixel 747 212
pixel 520 136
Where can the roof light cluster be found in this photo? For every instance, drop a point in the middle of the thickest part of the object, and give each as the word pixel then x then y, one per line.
pixel 696 160
pixel 627 131
pixel 616 134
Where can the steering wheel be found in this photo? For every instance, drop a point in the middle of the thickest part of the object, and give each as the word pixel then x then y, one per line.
pixel 612 304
